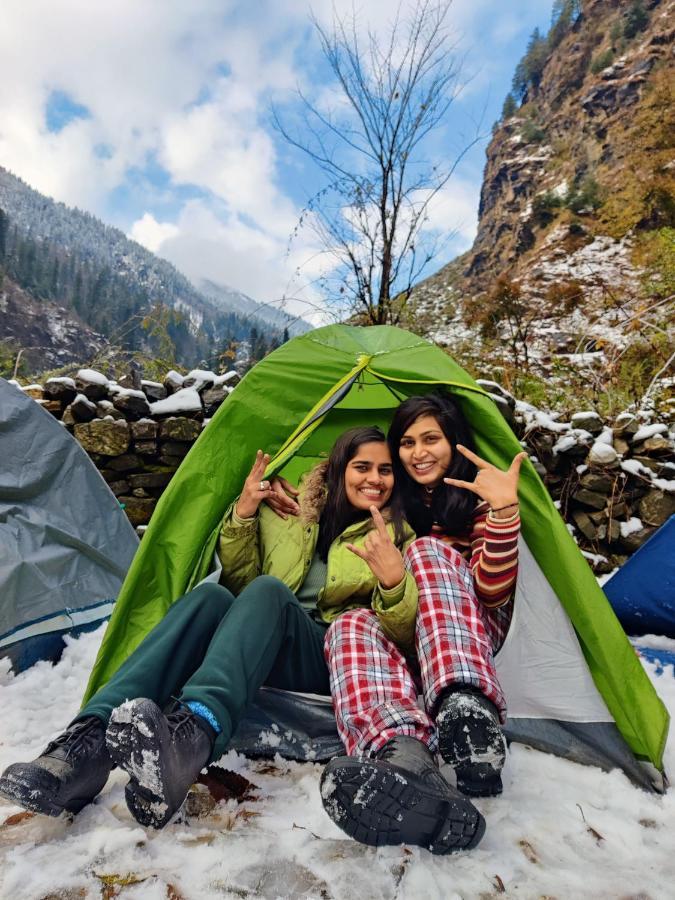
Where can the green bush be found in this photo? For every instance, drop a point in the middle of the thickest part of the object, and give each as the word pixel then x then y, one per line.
pixel 532 132
pixel 544 207
pixel 602 60
pixel 587 194
pixel 636 20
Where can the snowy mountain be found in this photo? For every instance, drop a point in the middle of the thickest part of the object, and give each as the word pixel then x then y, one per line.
pixel 72 259
pixel 238 302
pixel 577 212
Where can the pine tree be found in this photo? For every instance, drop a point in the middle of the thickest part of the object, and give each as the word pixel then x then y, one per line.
pixel 636 20
pixel 510 106
pixel 4 229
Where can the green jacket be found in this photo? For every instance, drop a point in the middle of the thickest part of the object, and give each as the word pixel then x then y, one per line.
pixel 269 545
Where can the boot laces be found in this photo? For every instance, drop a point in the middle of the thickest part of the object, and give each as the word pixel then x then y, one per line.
pixel 182 721
pixel 78 739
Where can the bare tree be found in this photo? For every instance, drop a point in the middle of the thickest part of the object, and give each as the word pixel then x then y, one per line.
pixel 371 213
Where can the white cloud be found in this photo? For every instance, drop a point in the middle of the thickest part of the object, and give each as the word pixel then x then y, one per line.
pixel 188 86
pixel 151 233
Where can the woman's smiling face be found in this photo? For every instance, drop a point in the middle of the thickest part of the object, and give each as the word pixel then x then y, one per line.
pixel 425 452
pixel 369 476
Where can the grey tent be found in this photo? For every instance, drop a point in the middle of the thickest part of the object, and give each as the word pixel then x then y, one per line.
pixel 65 543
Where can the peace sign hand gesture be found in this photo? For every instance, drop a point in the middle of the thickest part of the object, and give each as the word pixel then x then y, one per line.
pixel 380 553
pixel 255 489
pixel 498 489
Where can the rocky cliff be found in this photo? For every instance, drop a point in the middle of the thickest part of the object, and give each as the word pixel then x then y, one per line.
pixel 577 209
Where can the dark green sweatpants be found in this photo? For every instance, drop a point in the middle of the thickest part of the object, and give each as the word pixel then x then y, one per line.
pixel 218 649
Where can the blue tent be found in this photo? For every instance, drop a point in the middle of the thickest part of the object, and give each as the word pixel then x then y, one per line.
pixel 643 590
pixel 65 543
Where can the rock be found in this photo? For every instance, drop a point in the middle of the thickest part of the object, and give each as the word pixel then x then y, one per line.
pixel 93 384
pixel 153 390
pixel 146 448
pixel 150 479
pixel 657 445
pixel 185 402
pixel 622 447
pixel 52 406
pixel 176 448
pixel 590 498
pixel 179 428
pixel 633 541
pixel 62 389
pixel 144 430
pixel 82 410
pixel 609 531
pixel 602 454
pixel 140 492
pixel 492 387
pixel 36 391
pixel 173 381
pixel 138 509
pixel 504 408
pixel 172 462
pixel 68 418
pixel 103 436
pixel 119 487
pixel 199 379
pixel 134 404
pixel 588 421
pixel 213 397
pixel 654 465
pixel 626 425
pixel 127 462
pixel 583 522
pixel 105 408
pixel 597 481
pixel 656 507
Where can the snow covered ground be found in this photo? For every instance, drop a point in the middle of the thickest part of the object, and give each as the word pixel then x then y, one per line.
pixel 560 830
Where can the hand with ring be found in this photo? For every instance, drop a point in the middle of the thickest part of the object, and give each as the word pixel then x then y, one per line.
pixel 256 488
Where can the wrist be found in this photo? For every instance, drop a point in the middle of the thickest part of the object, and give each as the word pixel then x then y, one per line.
pixel 505 511
pixel 244 511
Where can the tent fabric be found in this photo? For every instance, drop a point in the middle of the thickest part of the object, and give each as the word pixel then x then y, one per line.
pixel 65 543
pixel 642 592
pixel 294 404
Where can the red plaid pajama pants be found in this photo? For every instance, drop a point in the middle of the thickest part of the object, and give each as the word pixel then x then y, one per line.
pixel 374 687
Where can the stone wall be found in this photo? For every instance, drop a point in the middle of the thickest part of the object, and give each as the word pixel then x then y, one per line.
pixel 613 482
pixel 136 432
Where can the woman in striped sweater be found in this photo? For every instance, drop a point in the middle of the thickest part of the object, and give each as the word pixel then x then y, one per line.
pixel 465 559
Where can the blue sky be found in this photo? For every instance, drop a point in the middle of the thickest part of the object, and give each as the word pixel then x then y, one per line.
pixel 155 116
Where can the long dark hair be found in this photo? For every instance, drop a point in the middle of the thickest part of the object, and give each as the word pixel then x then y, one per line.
pixel 338 513
pixel 450 507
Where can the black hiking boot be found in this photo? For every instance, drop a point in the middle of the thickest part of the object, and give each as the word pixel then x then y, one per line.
pixel 67 775
pixel 399 797
pixel 471 741
pixel 162 754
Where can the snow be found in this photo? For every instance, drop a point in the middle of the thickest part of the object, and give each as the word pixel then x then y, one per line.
pixel 648 431
pixel 184 400
pixel 69 382
pixel 602 453
pixel 631 526
pixel 92 377
pixel 119 391
pixel 634 467
pixel 538 842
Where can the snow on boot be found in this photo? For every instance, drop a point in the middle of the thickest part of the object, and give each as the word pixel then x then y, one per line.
pixel 399 797
pixel 163 755
pixel 471 741
pixel 67 775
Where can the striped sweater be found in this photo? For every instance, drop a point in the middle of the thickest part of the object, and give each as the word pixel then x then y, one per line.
pixel 492 552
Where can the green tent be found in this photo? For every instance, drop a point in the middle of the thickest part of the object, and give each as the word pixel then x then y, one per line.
pixel 573 682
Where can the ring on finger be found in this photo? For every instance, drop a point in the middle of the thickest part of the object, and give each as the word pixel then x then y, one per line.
pixel 264 485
